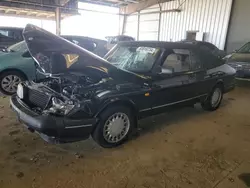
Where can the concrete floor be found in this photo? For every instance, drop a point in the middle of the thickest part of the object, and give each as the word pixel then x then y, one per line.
pixel 185 148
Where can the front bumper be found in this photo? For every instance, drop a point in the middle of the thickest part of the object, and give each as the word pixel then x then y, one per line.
pixel 52 128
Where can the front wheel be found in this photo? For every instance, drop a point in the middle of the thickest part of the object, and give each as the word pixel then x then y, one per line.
pixel 214 99
pixel 115 126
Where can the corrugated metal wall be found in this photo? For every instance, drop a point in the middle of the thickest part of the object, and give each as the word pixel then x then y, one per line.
pixel 131 26
pixel 149 23
pixel 208 16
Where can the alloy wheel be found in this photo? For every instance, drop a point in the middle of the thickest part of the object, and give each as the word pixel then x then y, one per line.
pixel 10 82
pixel 216 97
pixel 116 127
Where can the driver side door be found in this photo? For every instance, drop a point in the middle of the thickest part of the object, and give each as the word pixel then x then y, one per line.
pixel 176 84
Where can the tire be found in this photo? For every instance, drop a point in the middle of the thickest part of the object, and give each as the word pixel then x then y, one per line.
pixel 16 77
pixel 210 104
pixel 100 134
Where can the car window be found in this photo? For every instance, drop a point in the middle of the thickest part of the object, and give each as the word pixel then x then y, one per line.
pixel 18 47
pixel 195 61
pixel 124 38
pixel 178 60
pixel 14 34
pixel 209 59
pixel 114 40
pixel 86 44
pixel 136 59
pixel 245 48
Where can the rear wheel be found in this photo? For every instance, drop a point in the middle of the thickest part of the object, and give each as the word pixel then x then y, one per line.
pixel 214 99
pixel 115 126
pixel 9 81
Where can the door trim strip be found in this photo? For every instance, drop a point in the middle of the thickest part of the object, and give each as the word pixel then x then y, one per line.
pixel 169 104
pixel 78 126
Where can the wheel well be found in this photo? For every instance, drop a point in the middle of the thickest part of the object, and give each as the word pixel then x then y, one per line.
pixel 16 70
pixel 123 103
pixel 221 84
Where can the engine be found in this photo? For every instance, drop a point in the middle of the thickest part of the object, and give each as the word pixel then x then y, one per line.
pixel 73 86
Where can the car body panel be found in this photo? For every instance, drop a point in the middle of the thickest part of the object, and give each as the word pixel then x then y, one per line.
pixel 15 61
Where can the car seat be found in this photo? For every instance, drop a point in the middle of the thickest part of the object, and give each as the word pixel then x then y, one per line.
pixel 173 61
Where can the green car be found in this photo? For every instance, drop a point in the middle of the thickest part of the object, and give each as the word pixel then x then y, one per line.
pixel 16 65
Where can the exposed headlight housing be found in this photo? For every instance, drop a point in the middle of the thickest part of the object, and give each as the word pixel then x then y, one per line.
pixel 20 91
pixel 60 107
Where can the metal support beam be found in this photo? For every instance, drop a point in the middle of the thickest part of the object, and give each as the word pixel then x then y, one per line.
pixel 58 20
pixel 62 2
pixel 124 24
pixel 132 8
pixel 138 26
pixel 159 24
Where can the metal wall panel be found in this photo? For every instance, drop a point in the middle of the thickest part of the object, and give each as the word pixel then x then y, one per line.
pixel 210 17
pixel 149 23
pixel 131 26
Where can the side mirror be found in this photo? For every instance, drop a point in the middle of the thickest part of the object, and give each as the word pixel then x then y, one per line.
pixel 26 54
pixel 158 70
pixel 235 51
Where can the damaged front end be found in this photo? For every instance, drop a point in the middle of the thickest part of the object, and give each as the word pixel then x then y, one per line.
pixel 63 106
pixel 60 108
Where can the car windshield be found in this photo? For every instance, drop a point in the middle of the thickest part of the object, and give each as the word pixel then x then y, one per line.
pixel 18 47
pixel 135 59
pixel 245 48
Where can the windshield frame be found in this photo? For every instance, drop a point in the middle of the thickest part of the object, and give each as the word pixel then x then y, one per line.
pixel 240 50
pixel 137 46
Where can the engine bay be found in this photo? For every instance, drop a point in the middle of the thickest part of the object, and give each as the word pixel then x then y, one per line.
pixel 73 86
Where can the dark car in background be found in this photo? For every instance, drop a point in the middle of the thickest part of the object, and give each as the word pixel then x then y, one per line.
pixel 240 60
pixel 113 40
pixel 85 95
pixel 10 36
pixel 97 46
pixel 208 46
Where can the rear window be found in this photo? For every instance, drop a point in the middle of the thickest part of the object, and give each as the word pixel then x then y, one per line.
pixel 209 59
pixel 245 48
pixel 12 33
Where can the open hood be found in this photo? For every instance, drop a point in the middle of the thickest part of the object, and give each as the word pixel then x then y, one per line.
pixel 55 55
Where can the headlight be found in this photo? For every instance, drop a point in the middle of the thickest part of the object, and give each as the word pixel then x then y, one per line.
pixel 60 107
pixel 20 91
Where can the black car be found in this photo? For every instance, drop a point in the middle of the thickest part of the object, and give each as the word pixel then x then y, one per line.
pixel 85 95
pixel 10 36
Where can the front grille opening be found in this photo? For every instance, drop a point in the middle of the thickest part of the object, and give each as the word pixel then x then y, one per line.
pixel 50 132
pixel 37 99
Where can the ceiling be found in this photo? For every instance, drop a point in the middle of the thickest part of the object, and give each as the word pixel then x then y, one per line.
pixel 114 3
pixel 43 9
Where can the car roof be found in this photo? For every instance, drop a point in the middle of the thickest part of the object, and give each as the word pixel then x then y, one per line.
pixel 196 42
pixel 83 37
pixel 159 44
pixel 16 28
